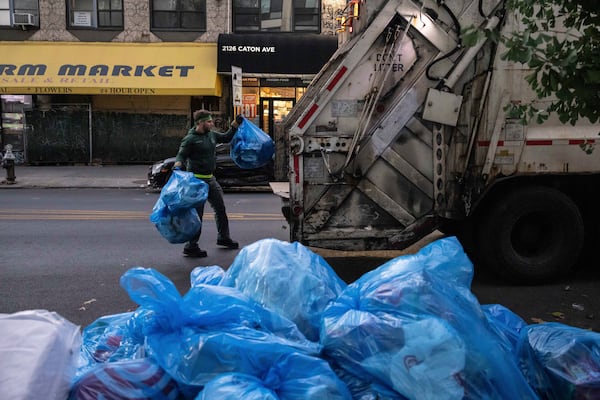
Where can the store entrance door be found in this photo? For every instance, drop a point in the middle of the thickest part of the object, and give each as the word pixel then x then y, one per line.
pixel 273 110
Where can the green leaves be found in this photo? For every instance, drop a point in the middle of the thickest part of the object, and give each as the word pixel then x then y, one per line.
pixel 525 113
pixel 560 42
pixel 470 36
pixel 592 76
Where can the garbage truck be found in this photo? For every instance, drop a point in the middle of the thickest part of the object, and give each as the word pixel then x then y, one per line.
pixel 406 130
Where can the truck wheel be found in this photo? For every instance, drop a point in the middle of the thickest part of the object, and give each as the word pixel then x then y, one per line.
pixel 531 235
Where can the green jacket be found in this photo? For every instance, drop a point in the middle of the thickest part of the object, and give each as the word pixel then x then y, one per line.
pixel 197 150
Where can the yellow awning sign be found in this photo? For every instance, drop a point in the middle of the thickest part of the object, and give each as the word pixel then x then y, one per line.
pixel 109 68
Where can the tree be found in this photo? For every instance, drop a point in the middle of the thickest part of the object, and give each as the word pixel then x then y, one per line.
pixel 561 44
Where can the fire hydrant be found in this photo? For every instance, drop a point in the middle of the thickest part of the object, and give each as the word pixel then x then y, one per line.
pixel 8 163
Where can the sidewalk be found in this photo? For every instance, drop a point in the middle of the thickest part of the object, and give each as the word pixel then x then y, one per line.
pixel 78 176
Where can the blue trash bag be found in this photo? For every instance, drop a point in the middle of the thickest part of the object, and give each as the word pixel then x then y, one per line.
pixel 236 386
pixel 507 324
pixel 365 389
pixel 561 362
pixel 413 325
pixel 139 379
pixel 211 275
pixel 157 295
pixel 292 377
pixel 183 191
pixel 211 330
pixel 177 227
pixel 287 278
pixel 110 338
pixel 251 147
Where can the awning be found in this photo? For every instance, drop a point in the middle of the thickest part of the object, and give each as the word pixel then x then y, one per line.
pixel 275 53
pixel 109 68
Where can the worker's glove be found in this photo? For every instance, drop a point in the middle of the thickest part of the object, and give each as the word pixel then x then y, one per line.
pixel 176 167
pixel 238 121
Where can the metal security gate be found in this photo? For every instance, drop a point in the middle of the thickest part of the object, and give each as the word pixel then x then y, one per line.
pixel 59 134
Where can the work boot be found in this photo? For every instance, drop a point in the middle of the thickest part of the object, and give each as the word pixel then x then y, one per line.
pixel 194 252
pixel 230 244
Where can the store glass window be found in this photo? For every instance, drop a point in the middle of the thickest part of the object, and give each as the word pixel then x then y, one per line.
pixel 12 124
pixel 97 14
pixel 276 16
pixel 179 15
pixel 19 13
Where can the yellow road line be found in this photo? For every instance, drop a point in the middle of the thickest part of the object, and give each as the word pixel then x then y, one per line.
pixel 31 215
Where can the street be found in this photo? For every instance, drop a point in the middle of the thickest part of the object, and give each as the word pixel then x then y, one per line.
pixel 65 249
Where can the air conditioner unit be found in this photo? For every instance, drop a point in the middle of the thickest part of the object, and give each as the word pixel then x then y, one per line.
pixel 23 19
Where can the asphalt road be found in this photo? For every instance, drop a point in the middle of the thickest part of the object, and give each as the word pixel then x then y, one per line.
pixel 65 250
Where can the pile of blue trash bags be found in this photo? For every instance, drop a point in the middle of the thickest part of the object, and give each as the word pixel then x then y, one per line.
pixel 280 324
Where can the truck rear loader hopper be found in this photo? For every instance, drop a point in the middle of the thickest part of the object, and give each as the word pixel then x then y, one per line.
pixel 406 130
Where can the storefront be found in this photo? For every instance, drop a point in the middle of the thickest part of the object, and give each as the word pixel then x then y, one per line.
pixel 276 70
pixel 67 102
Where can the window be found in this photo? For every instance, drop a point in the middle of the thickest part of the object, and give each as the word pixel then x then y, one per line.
pixel 247 16
pixel 306 16
pixel 276 16
pixel 96 13
pixel 19 13
pixel 270 15
pixel 179 15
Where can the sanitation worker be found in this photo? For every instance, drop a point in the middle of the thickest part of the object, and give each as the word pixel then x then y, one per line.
pixel 197 153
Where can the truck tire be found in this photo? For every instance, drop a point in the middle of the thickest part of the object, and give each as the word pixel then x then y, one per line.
pixel 531 235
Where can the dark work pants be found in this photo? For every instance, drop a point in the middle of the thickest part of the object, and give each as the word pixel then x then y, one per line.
pixel 215 199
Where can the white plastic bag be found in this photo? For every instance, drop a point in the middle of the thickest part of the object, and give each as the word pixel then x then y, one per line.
pixel 38 355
